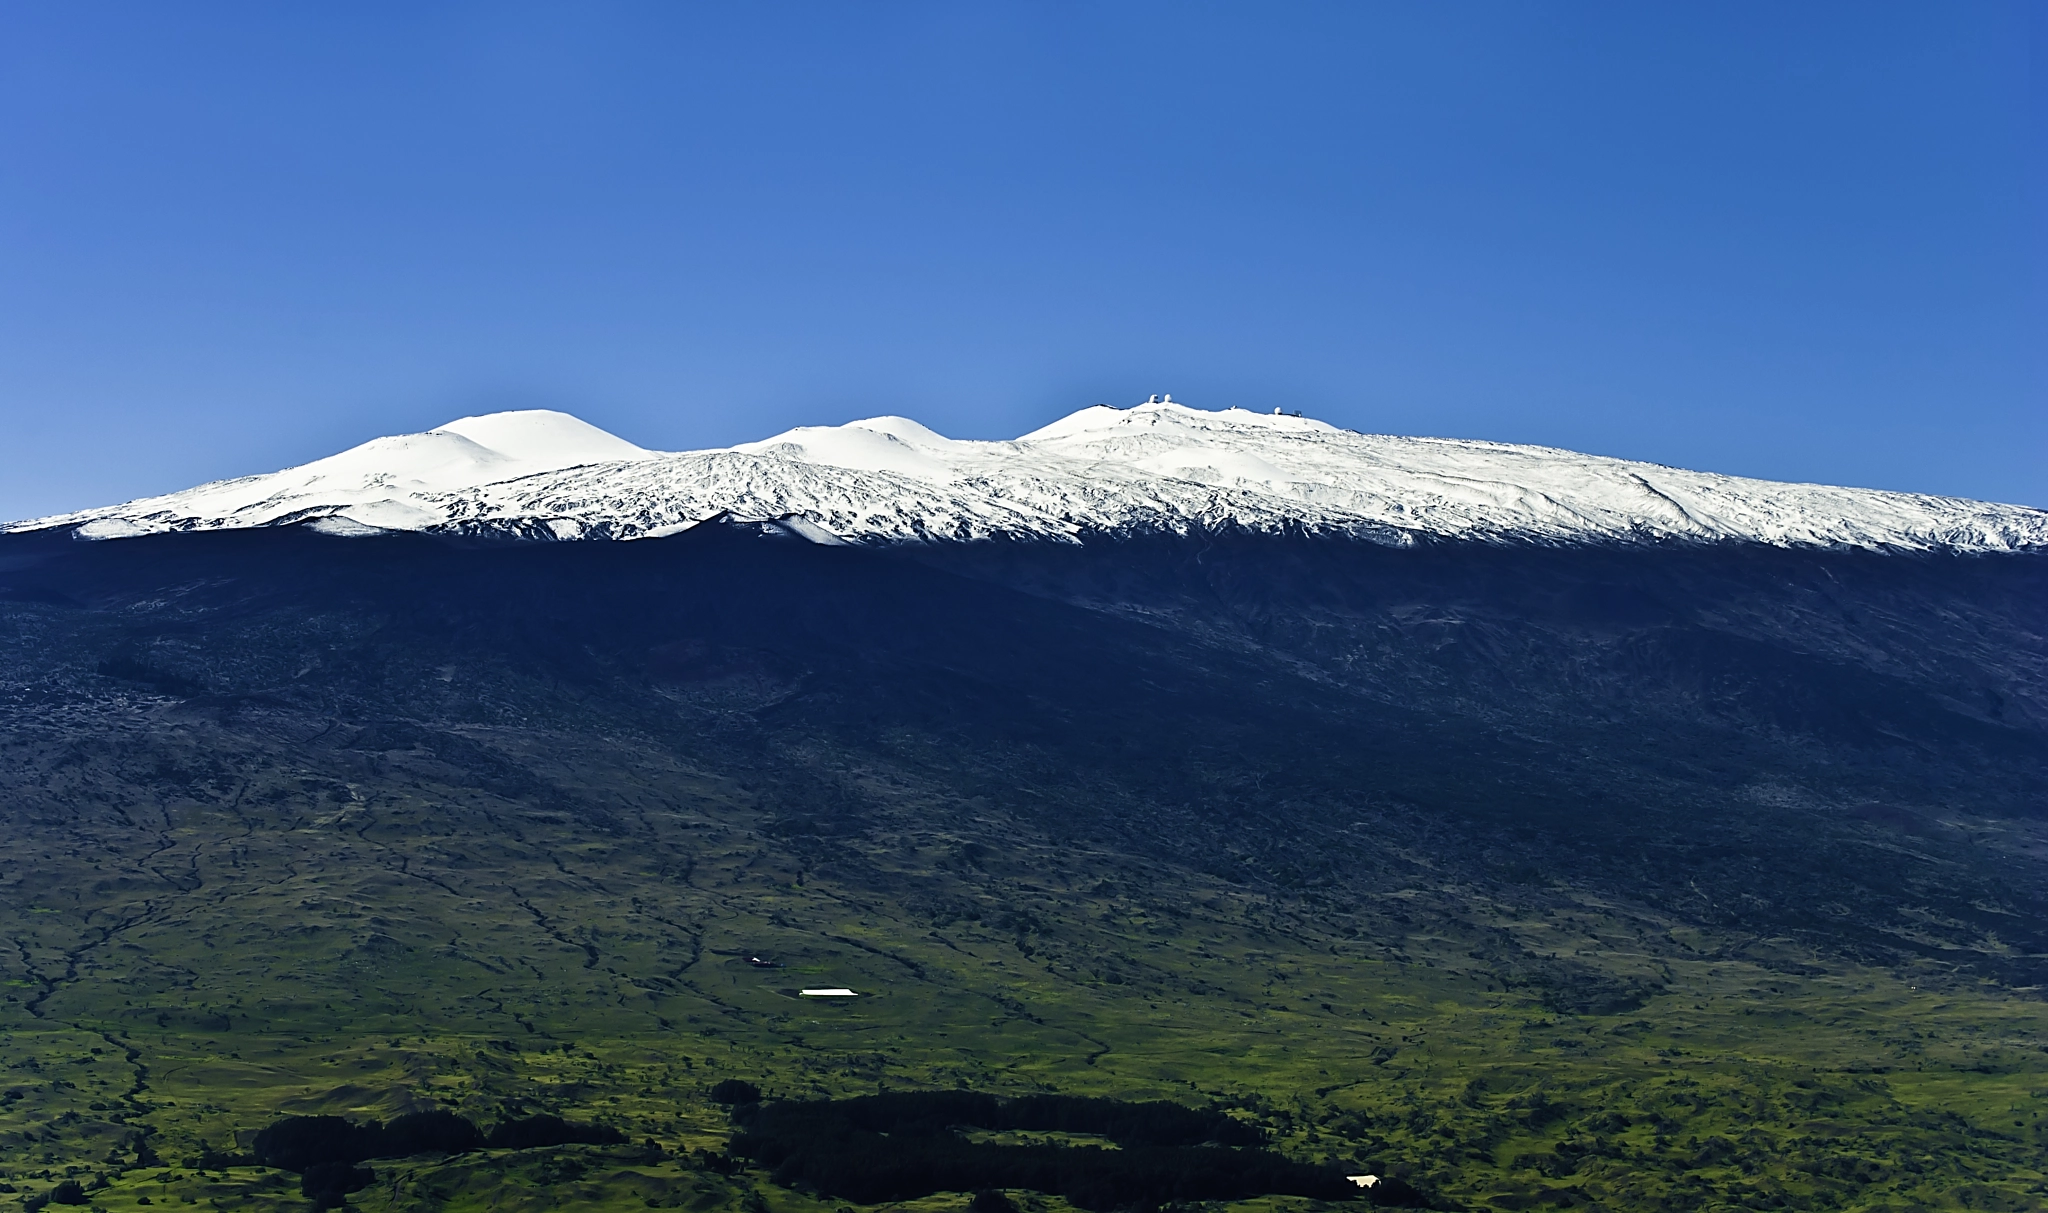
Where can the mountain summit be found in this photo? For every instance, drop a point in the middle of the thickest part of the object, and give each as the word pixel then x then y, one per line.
pixel 1157 468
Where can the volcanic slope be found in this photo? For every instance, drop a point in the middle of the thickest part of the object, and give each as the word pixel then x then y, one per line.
pixel 1621 877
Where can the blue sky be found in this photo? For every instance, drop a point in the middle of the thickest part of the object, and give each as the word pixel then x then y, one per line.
pixel 1797 241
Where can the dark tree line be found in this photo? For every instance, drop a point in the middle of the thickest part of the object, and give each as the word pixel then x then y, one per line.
pixel 929 1113
pixel 325 1150
pixel 905 1145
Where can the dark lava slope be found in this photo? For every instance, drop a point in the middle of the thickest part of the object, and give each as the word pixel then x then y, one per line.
pixel 1845 749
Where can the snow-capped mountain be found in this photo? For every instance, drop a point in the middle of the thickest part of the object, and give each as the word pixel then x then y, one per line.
pixel 1158 467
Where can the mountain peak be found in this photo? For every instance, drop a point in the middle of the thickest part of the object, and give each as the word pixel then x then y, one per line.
pixel 544 438
pixel 1167 412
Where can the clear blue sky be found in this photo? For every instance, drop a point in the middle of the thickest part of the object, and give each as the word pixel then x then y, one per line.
pixel 1803 241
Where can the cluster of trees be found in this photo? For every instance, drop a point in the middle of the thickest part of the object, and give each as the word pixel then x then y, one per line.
pixel 325 1150
pixel 905 1145
pixel 736 1091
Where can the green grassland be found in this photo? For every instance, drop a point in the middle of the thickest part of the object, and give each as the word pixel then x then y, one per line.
pixel 257 937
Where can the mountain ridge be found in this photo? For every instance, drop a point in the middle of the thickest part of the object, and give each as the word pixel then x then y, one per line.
pixel 1157 468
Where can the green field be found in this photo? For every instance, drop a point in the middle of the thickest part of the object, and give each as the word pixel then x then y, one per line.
pixel 185 971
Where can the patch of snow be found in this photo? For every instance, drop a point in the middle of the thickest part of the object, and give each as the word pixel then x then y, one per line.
pixel 111 528
pixel 806 529
pixel 388 514
pixel 343 526
pixel 663 532
pixel 1160 467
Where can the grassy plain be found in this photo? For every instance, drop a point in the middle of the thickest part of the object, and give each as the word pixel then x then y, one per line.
pixel 283 941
